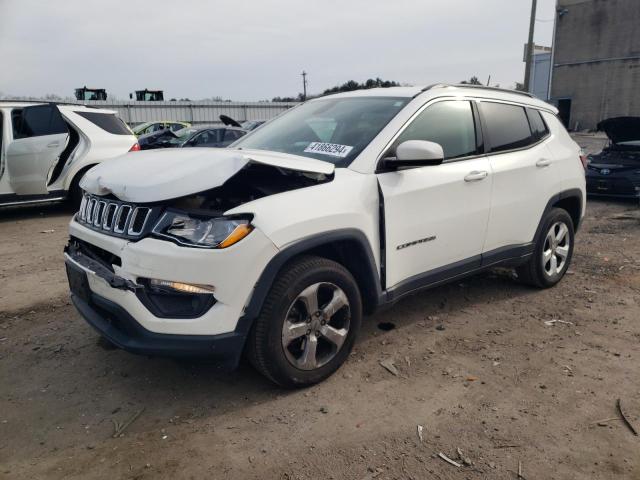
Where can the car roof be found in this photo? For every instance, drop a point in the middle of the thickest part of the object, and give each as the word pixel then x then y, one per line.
pixel 441 89
pixel 62 106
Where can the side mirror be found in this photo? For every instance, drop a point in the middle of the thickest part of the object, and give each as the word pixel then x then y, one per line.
pixel 414 153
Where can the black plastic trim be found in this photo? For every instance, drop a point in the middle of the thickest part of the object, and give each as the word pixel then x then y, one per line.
pixel 263 285
pixel 120 328
pixel 12 198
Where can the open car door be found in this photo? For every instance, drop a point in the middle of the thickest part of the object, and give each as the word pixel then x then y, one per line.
pixel 40 135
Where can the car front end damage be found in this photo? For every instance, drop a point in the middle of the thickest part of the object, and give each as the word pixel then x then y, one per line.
pixel 173 276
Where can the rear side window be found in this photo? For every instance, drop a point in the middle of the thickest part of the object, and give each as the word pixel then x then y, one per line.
pixel 507 126
pixel 37 121
pixel 107 122
pixel 538 127
pixel 448 123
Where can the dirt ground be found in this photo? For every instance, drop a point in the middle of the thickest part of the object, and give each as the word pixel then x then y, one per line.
pixel 479 370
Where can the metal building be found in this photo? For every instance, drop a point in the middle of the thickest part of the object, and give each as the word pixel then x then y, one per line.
pixel 596 61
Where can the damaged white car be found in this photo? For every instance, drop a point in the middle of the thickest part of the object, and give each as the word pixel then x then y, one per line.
pixel 45 149
pixel 276 246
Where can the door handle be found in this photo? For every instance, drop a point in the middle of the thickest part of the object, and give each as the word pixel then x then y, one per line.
pixel 476 176
pixel 53 144
pixel 543 162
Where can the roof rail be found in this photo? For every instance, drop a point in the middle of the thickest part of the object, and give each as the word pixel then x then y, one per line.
pixel 479 87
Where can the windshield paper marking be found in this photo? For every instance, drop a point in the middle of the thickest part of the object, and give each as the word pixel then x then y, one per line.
pixel 332 149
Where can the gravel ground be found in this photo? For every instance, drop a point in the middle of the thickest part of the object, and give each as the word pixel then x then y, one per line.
pixel 483 368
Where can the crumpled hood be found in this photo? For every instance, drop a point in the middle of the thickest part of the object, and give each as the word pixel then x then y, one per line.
pixel 155 175
pixel 621 129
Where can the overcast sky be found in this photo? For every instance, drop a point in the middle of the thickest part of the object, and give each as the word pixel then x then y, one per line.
pixel 253 50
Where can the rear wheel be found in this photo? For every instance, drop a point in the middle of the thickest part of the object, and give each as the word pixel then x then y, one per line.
pixel 308 324
pixel 552 253
pixel 74 197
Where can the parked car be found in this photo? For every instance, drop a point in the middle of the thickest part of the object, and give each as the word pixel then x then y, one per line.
pixel 219 137
pixel 615 171
pixel 151 127
pixel 45 148
pixel 247 125
pixel 277 245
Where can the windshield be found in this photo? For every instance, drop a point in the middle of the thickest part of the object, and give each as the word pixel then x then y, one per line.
pixel 335 130
pixel 143 126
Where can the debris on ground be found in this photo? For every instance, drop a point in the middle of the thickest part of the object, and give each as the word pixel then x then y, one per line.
pixel 391 368
pixel 448 460
pixel 47 231
pixel 551 323
pixel 625 418
pixel 119 428
pixel 462 458
pixel 420 430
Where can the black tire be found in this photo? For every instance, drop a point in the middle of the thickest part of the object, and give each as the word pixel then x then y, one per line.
pixel 537 272
pixel 74 197
pixel 265 347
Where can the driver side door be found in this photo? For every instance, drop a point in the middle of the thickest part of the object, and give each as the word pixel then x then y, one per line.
pixel 40 135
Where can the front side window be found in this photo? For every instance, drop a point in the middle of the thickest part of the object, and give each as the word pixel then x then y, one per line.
pixel 448 123
pixel 507 126
pixel 335 130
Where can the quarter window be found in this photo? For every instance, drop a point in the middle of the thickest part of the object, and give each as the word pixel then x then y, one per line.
pixel 538 127
pixel 448 123
pixel 507 126
pixel 107 122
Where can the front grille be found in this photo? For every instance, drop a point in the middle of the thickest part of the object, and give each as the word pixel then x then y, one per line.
pixel 114 217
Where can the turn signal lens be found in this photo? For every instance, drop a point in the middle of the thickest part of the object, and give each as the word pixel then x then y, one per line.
pixel 181 287
pixel 135 147
pixel 238 234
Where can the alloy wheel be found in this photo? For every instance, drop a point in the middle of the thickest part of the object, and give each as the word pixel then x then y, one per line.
pixel 316 326
pixel 556 249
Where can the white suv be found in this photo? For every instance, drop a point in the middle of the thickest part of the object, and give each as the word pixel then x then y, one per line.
pixel 277 245
pixel 45 148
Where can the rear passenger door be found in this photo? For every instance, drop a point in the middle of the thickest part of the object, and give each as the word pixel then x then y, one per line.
pixel 40 135
pixel 524 177
pixel 435 217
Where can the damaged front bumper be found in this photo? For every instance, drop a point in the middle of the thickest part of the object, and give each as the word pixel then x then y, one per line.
pixel 113 297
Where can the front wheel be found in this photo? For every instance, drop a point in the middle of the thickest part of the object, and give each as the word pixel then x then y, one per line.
pixel 552 252
pixel 308 323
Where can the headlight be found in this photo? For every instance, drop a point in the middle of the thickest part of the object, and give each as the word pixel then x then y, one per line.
pixel 204 232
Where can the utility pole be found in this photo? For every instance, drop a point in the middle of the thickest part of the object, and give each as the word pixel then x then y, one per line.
pixel 532 24
pixel 304 85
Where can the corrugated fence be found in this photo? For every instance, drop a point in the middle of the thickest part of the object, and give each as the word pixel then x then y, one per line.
pixel 134 112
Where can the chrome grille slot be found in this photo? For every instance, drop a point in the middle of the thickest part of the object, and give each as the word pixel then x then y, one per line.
pixel 98 212
pixel 109 215
pixel 83 206
pixel 122 218
pixel 90 205
pixel 138 220
pixel 114 217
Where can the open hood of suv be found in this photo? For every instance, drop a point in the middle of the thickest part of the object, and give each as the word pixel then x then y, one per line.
pixel 152 176
pixel 621 129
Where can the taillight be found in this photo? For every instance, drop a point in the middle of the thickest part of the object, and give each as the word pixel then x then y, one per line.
pixel 584 160
pixel 135 147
